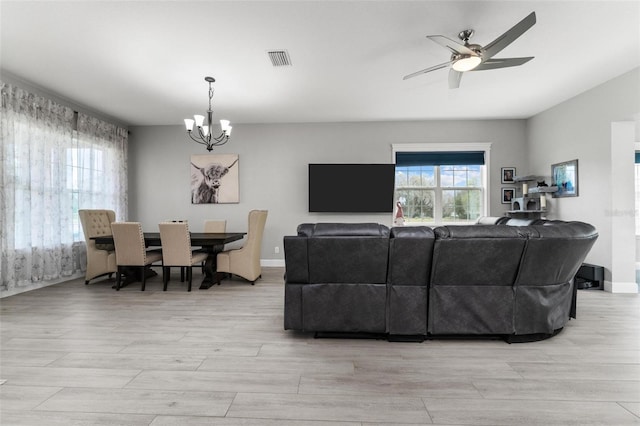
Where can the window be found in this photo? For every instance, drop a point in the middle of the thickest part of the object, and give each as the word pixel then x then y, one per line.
pixel 85 177
pixel 54 162
pixel 438 187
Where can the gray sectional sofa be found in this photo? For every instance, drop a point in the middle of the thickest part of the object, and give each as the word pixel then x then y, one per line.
pixel 501 277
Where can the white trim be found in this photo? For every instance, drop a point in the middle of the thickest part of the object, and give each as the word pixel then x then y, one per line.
pixel 272 263
pixel 620 287
pixel 463 146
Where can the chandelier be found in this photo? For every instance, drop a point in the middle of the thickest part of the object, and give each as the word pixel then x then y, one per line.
pixel 204 132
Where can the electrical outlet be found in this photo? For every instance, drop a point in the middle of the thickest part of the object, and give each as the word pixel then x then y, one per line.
pixel 276 249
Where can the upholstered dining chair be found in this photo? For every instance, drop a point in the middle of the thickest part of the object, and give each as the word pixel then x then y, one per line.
pixel 131 252
pixel 215 225
pixel 176 250
pixel 101 258
pixel 245 261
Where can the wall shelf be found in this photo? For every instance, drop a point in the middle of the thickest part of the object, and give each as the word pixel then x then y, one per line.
pixel 532 204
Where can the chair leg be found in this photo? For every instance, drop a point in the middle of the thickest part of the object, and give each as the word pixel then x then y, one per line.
pixel 166 271
pixel 182 274
pixel 118 278
pixel 144 278
pixel 86 282
pixel 189 276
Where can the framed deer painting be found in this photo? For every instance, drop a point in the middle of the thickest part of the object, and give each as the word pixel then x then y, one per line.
pixel 215 179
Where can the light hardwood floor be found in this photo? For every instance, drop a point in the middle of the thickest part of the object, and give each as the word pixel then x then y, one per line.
pixel 87 355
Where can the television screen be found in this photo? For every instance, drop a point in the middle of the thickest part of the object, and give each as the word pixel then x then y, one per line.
pixel 351 188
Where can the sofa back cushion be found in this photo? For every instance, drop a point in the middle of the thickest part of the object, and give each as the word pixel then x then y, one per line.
pixel 477 255
pixel 555 251
pixel 338 253
pixel 348 253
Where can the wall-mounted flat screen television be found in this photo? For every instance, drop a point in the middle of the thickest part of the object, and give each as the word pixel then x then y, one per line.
pixel 351 188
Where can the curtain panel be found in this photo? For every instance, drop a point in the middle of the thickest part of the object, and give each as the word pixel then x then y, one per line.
pixel 48 171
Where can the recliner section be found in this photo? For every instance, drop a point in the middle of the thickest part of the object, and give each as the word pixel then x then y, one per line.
pixel 417 281
pixel 408 279
pixel 340 284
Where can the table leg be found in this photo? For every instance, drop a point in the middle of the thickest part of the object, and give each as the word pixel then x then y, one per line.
pixel 211 276
pixel 209 271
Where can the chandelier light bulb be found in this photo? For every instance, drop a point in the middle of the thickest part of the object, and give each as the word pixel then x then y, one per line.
pixel 199 120
pixel 188 123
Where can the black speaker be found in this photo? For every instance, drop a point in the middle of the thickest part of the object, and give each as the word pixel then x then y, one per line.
pixel 590 277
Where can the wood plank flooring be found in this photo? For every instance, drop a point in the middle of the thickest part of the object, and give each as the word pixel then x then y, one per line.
pixel 87 355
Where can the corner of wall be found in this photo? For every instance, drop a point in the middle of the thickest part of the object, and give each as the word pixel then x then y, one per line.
pixel 620 287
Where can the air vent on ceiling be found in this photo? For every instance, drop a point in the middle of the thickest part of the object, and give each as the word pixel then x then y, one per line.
pixel 279 58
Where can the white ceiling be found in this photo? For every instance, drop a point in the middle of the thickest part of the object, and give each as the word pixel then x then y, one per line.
pixel 144 62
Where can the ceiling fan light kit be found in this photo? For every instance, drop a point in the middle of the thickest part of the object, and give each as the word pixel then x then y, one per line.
pixel 466 63
pixel 204 135
pixel 474 57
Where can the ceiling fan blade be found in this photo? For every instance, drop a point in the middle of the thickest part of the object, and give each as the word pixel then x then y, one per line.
pixel 509 37
pixel 426 70
pixel 495 63
pixel 454 79
pixel 453 46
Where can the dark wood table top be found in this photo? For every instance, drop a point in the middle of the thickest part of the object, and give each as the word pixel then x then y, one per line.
pixel 201 239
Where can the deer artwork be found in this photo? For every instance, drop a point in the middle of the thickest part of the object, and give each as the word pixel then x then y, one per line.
pixel 205 182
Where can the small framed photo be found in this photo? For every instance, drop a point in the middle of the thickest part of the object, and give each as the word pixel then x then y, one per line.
pixel 565 177
pixel 508 174
pixel 508 194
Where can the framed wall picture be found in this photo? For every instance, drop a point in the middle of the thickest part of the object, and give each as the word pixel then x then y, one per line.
pixel 508 194
pixel 508 174
pixel 215 179
pixel 565 177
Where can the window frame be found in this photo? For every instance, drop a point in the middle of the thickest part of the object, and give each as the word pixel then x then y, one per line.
pixel 451 147
pixel 637 201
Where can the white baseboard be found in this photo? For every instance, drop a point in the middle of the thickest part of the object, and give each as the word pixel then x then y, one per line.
pixel 274 263
pixel 620 287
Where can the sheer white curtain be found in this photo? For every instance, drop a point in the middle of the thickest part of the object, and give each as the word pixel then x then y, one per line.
pixel 98 162
pixel 48 171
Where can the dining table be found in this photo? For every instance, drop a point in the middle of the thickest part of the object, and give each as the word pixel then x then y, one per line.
pixel 211 242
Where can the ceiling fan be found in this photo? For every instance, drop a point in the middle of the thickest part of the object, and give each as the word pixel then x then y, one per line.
pixel 473 57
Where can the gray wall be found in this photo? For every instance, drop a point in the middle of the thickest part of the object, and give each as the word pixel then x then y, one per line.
pixel 273 168
pixel 581 128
